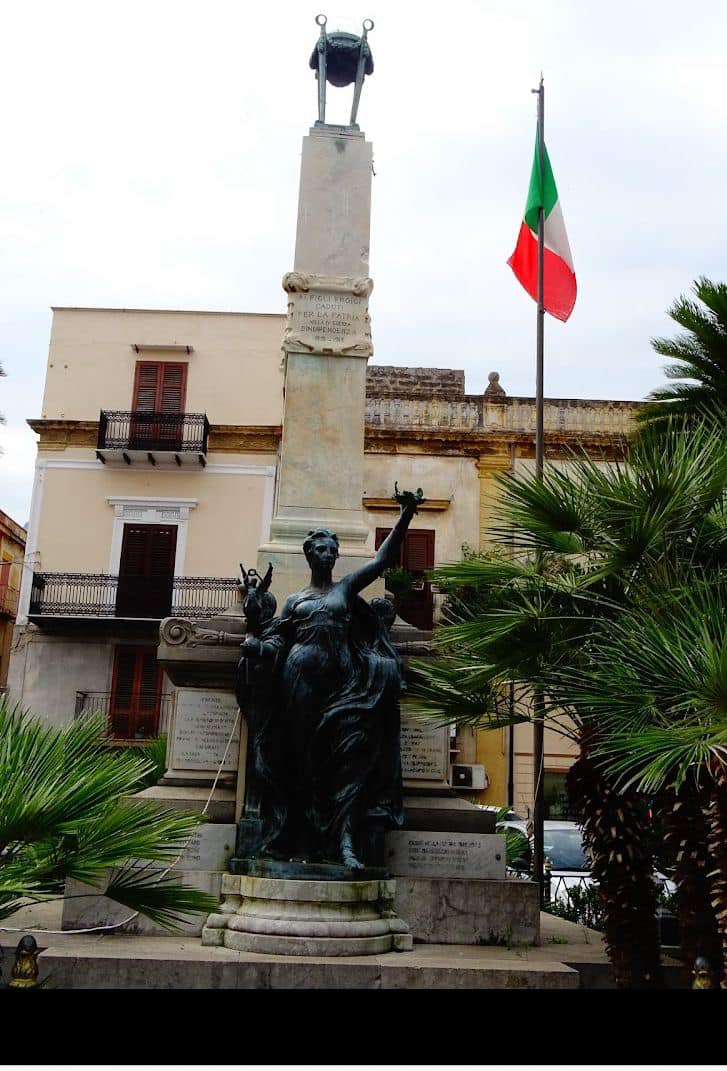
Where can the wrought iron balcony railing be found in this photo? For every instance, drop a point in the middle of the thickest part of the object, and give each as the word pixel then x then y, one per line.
pixel 130 715
pixel 151 598
pixel 129 437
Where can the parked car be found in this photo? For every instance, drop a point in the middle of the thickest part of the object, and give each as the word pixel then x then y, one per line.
pixel 503 814
pixel 564 851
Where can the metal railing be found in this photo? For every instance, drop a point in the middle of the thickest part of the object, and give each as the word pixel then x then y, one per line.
pixel 173 432
pixel 152 598
pixel 130 716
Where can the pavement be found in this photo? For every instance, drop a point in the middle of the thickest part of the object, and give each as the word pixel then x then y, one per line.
pixel 569 956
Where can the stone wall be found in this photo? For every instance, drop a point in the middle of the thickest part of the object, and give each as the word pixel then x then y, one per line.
pixel 399 397
pixel 385 381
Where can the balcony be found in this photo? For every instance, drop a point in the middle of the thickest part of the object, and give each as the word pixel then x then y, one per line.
pixel 59 597
pixel 131 717
pixel 164 439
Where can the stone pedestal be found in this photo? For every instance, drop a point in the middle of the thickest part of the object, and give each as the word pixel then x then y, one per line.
pixel 287 917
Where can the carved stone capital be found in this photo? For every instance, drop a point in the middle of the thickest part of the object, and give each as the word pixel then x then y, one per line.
pixel 179 632
pixel 298 282
pixel 328 315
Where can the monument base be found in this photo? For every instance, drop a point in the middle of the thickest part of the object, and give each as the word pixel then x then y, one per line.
pixel 291 917
pixel 300 871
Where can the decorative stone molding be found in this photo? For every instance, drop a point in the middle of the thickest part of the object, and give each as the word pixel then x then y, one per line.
pixel 238 439
pixel 150 511
pixel 61 434
pixel 328 315
pixel 179 631
pixel 388 505
pixel 291 917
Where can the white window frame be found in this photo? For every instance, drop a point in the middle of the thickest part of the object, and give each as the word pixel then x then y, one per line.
pixel 131 509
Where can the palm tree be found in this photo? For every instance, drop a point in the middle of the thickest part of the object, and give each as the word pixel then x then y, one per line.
pixel 582 545
pixel 699 356
pixel 67 810
pixel 658 687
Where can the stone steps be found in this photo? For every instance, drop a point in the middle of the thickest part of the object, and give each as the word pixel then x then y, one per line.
pixel 122 963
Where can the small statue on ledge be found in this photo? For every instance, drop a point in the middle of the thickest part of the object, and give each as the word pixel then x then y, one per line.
pixel 321 686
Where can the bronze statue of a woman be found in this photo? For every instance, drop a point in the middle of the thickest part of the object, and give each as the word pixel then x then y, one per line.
pixel 322 684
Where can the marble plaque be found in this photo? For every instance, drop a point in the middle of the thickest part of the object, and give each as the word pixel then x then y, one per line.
pixel 445 855
pixel 327 316
pixel 210 847
pixel 424 750
pixel 203 721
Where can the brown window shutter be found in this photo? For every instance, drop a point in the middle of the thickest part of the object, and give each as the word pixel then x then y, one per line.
pixel 172 388
pixel 417 556
pixel 122 692
pixel 149 677
pixel 124 675
pixel 134 550
pixel 148 550
pixel 135 693
pixel 419 550
pixel 417 553
pixel 146 386
pixel 381 534
pixel 161 550
pixel 146 570
pixel 159 387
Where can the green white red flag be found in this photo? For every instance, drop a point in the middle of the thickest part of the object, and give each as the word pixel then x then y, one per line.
pixel 559 280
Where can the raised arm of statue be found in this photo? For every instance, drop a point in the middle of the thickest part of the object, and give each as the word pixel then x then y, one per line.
pixel 388 553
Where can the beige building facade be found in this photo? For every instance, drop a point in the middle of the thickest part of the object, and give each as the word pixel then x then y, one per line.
pixel 157 474
pixel 12 552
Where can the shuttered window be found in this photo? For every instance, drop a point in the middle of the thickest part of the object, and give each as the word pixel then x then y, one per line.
pixel 146 570
pixel 135 693
pixel 159 389
pixel 417 552
pixel 417 556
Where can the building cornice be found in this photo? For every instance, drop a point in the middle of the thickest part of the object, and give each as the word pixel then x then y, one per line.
pixel 413 436
pixel 167 312
pixel 389 505
pixel 61 434
pixel 459 442
pixel 223 438
pixel 244 438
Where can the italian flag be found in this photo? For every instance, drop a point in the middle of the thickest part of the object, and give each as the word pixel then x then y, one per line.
pixel 559 280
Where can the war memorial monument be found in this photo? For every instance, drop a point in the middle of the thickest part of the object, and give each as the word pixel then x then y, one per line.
pixel 335 832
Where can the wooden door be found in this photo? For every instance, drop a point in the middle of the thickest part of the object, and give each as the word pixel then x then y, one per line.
pixel 135 694
pixel 146 570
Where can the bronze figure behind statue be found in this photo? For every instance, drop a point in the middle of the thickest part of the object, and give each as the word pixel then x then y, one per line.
pixel 320 685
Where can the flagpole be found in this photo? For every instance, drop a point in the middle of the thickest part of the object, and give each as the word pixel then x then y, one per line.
pixel 538 698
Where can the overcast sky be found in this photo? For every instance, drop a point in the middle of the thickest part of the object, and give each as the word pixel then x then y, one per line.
pixel 151 151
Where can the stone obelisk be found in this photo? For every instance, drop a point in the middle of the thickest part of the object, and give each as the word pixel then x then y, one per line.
pixel 327 344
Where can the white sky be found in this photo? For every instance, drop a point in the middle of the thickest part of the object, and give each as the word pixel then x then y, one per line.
pixel 151 149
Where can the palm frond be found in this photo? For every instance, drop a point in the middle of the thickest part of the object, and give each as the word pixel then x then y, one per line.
pixel 166 902
pixel 657 756
pixel 65 812
pixel 452 692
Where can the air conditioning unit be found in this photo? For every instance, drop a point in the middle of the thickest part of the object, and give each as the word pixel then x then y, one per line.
pixel 470 777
